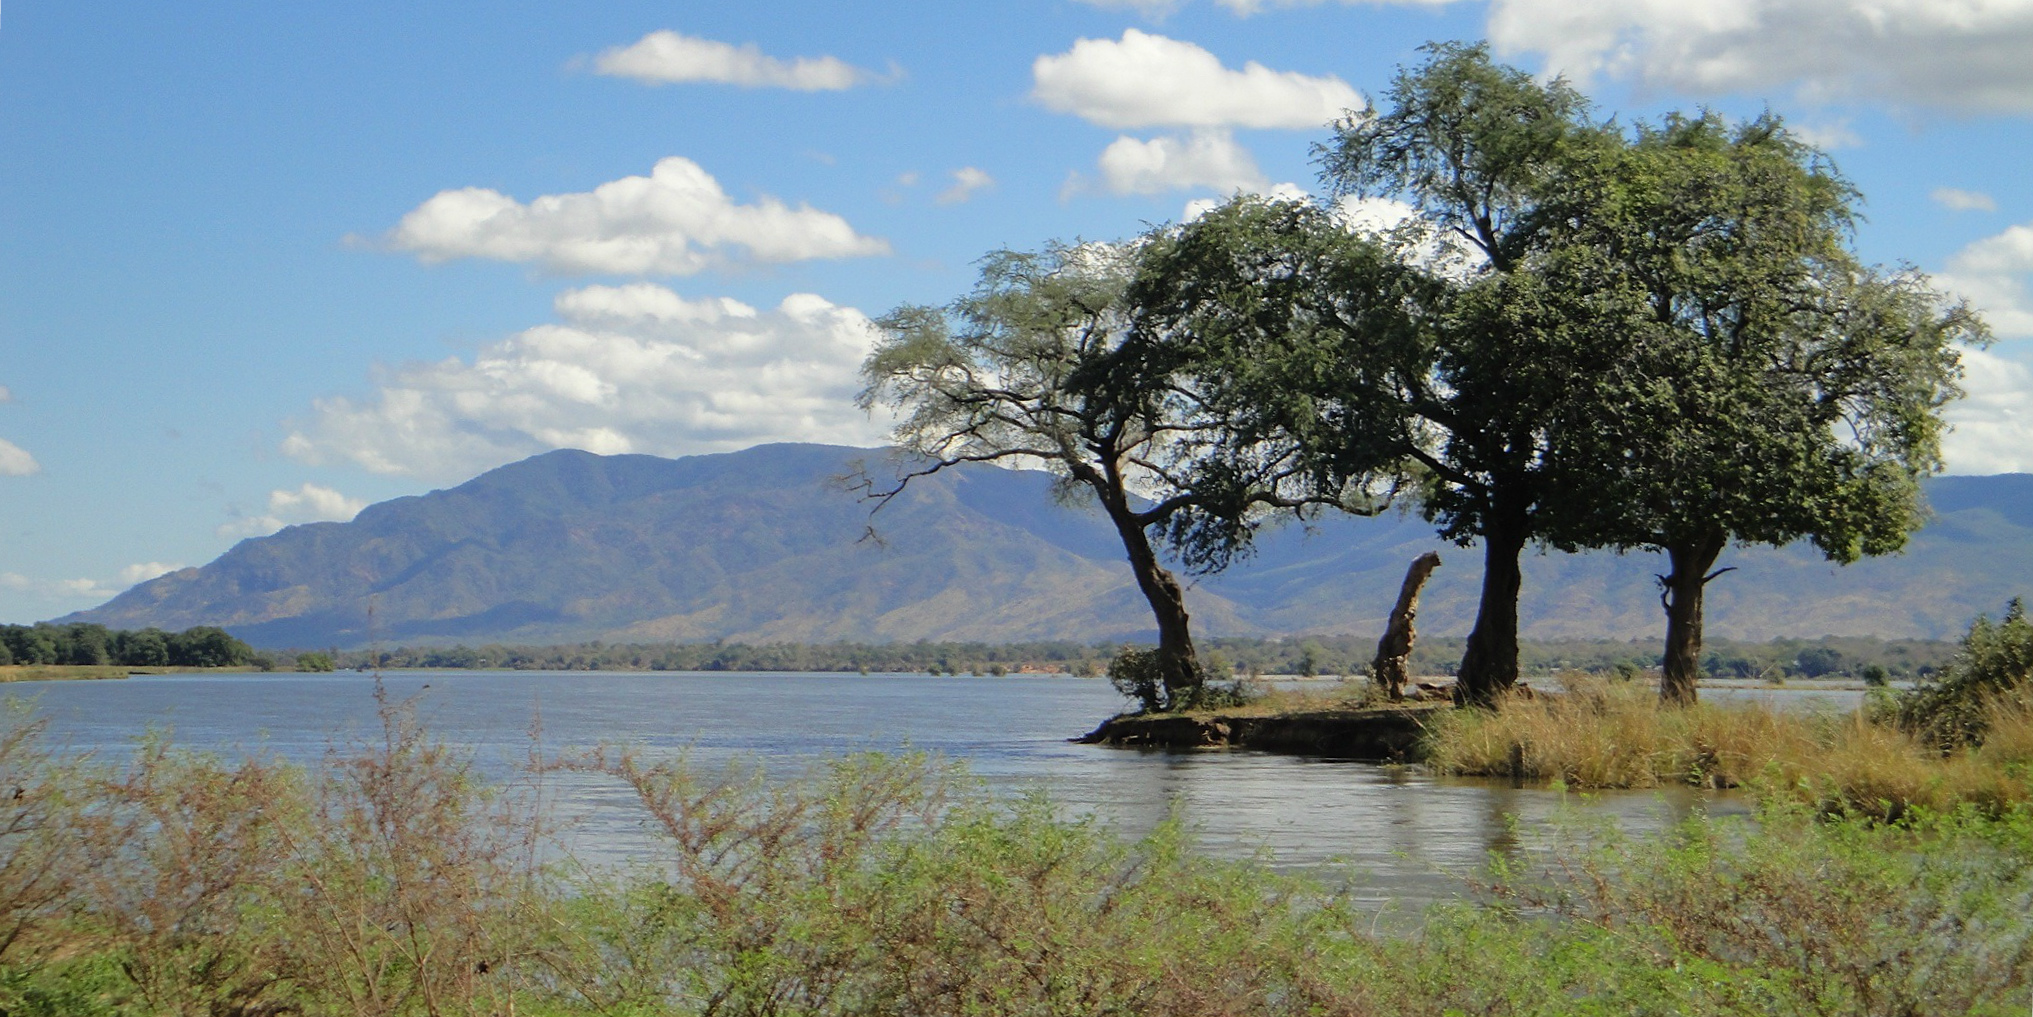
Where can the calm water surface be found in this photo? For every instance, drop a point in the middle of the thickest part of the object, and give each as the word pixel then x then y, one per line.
pixel 1406 838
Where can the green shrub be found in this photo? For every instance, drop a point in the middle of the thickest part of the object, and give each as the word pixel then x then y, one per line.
pixel 1950 710
pixel 1135 673
pixel 314 661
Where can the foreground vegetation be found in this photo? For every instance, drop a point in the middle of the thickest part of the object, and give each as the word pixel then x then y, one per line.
pixel 387 880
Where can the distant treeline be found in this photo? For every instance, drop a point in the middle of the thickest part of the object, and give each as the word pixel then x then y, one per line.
pixel 97 645
pixel 1312 655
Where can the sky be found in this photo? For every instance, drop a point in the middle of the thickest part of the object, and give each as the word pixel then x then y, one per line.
pixel 264 264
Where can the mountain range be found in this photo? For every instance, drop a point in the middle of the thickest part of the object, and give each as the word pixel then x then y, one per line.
pixel 769 544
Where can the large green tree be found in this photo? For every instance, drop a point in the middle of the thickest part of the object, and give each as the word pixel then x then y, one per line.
pixel 1478 155
pixel 1763 385
pixel 1034 368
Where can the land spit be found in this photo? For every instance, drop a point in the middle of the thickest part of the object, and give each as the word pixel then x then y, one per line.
pixel 1373 734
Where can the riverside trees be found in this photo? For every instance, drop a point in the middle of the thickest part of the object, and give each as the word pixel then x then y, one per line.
pixel 1576 334
pixel 1580 335
pixel 1762 385
pixel 1033 368
pixel 1433 350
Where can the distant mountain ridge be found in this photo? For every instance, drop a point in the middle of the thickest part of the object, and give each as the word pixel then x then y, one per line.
pixel 766 545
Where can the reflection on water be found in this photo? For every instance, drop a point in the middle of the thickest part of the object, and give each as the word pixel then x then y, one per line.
pixel 1407 838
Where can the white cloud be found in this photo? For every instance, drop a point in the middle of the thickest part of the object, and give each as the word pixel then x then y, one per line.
pixel 633 368
pixel 1957 54
pixel 5 396
pixel 1828 136
pixel 58 590
pixel 1145 80
pixel 1993 424
pixel 1956 199
pixel 141 572
pixel 664 57
pixel 676 221
pixel 1207 158
pixel 966 181
pixel 15 460
pixel 311 503
pixel 1993 273
pixel 1965 55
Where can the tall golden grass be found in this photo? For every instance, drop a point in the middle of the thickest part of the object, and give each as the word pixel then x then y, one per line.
pixel 1599 734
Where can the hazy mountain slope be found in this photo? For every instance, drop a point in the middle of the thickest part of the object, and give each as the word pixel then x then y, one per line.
pixel 764 544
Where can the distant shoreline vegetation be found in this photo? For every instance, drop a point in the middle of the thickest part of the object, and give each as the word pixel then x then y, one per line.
pixel 1829 656
pixel 88 645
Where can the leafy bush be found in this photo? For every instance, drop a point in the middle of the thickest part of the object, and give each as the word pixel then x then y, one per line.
pixel 1950 710
pixel 1135 673
pixel 314 661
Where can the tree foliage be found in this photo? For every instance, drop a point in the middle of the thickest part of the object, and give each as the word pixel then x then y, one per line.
pixel 89 644
pixel 1762 385
pixel 1036 367
pixel 1995 664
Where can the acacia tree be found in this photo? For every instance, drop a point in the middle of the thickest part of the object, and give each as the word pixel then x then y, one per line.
pixel 1033 368
pixel 1479 154
pixel 1764 386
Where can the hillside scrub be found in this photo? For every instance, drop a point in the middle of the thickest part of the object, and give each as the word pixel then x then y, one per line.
pixel 385 880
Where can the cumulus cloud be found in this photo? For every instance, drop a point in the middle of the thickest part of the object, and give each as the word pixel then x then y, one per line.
pixel 141 572
pixel 1955 199
pixel 633 368
pixel 676 221
pixel 15 460
pixel 1993 424
pixel 966 181
pixel 1145 80
pixel 1993 273
pixel 665 57
pixel 1965 55
pixel 1828 136
pixel 1207 158
pixel 56 589
pixel 311 503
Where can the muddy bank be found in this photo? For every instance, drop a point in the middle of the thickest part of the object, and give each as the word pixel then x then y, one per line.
pixel 1385 734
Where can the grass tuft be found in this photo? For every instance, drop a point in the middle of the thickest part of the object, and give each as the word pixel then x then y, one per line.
pixel 1600 734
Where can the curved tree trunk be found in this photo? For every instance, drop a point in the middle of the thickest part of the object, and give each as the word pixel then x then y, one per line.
pixel 1681 593
pixel 1182 675
pixel 1489 665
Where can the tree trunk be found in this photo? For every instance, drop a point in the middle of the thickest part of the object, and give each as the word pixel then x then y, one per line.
pixel 1394 650
pixel 1489 665
pixel 1182 675
pixel 1681 593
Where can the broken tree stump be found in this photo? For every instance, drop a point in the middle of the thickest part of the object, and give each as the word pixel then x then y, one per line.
pixel 1394 650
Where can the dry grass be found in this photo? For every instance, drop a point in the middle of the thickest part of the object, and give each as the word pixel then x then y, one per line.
pixel 60 672
pixel 1266 700
pixel 1606 735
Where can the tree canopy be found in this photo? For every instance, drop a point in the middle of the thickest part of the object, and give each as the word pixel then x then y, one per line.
pixel 1764 385
pixel 1035 367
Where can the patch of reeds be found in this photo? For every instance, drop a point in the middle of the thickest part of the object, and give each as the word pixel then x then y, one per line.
pixel 1598 734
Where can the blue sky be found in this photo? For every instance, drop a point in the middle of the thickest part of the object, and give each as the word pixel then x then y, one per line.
pixel 265 263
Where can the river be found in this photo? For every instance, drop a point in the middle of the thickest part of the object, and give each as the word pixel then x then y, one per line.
pixel 1398 839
